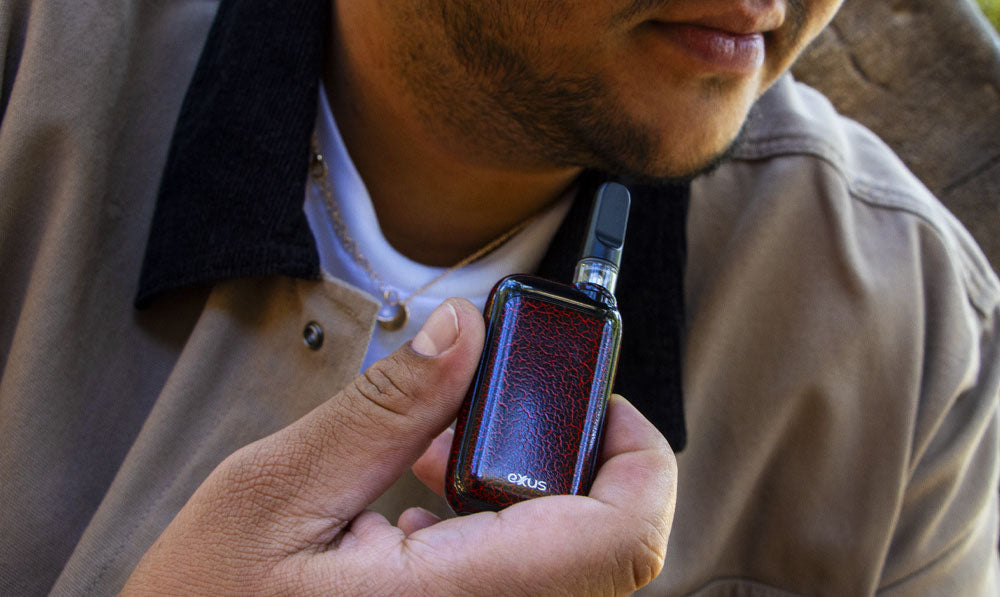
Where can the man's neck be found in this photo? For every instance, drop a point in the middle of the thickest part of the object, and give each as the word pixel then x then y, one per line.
pixel 436 203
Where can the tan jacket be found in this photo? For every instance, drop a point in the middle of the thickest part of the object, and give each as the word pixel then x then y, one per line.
pixel 841 369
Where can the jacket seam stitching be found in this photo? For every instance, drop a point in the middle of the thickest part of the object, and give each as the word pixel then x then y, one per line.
pixel 983 298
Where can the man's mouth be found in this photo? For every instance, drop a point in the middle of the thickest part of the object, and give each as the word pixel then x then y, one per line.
pixel 736 50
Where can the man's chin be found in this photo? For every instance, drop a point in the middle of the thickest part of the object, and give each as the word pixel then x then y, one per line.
pixel 677 176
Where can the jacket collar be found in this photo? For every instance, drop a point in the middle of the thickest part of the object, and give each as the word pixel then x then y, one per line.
pixel 230 201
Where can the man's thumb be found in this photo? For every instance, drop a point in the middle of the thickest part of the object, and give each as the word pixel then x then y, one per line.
pixel 347 452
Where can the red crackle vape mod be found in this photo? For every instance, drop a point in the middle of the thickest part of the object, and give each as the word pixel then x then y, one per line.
pixel 532 422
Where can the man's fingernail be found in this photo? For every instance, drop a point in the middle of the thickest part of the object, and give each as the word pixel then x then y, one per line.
pixel 439 332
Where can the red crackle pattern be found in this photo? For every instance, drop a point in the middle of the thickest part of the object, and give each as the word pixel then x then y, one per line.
pixel 535 413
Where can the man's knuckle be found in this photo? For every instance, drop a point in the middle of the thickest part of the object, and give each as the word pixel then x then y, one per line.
pixel 647 552
pixel 267 476
pixel 646 564
pixel 384 387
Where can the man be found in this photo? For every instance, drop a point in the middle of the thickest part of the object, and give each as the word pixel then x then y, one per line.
pixel 840 353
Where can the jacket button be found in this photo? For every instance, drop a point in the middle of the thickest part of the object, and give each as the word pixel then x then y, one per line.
pixel 313 335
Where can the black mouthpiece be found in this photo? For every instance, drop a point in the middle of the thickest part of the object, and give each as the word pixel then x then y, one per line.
pixel 608 220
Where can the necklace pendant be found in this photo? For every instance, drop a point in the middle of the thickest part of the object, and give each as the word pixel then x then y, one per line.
pixel 395 319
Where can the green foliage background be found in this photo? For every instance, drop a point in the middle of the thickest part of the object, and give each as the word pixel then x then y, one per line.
pixel 992 10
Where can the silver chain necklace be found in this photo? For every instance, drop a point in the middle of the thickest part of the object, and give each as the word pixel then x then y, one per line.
pixel 396 312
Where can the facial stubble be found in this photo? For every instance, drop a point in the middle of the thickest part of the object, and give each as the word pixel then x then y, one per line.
pixel 486 89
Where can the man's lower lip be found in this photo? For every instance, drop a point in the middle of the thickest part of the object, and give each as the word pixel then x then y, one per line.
pixel 715 49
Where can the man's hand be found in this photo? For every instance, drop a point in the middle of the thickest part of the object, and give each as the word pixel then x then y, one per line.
pixel 287 513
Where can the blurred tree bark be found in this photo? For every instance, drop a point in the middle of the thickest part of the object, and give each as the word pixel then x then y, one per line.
pixel 925 76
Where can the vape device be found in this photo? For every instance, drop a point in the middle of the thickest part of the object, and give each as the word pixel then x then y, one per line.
pixel 532 422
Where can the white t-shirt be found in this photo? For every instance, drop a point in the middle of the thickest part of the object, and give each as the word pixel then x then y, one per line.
pixel 521 254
